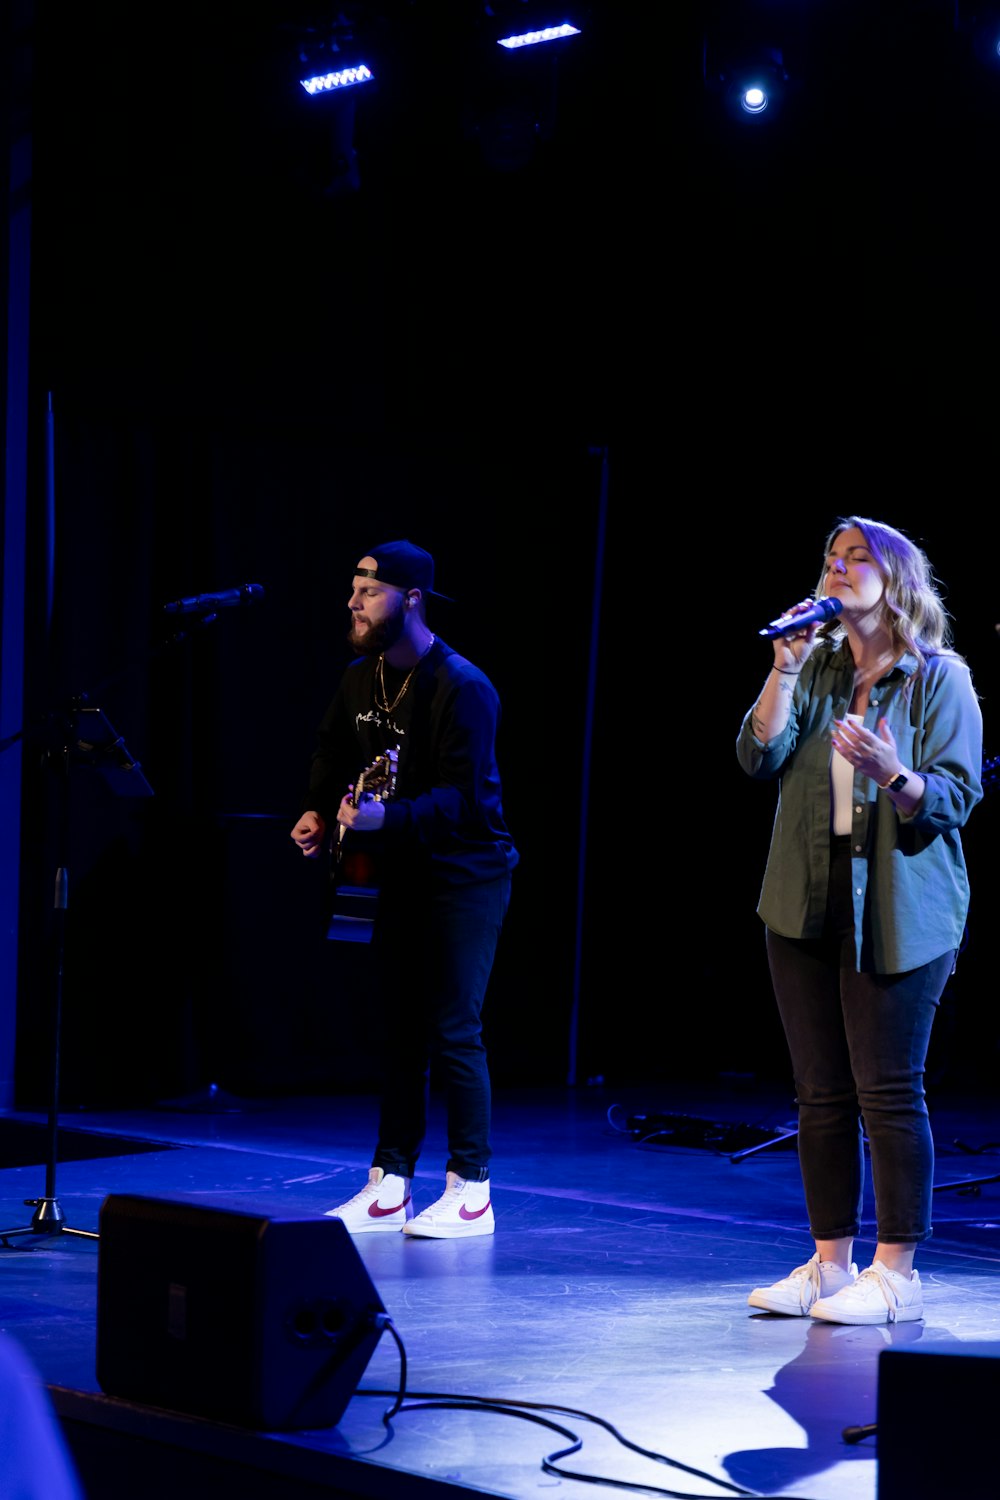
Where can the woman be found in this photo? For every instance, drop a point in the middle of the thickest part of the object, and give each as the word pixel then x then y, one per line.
pixel 871 723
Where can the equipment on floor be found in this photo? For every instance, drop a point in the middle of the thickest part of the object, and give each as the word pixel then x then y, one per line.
pixel 934 1433
pixel 267 1323
pixel 81 736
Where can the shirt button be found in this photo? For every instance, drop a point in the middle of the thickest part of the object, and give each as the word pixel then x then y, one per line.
pixel 858 891
pixel 857 848
pixel 859 808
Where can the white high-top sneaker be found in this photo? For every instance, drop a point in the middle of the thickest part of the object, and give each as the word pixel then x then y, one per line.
pixel 383 1205
pixel 463 1209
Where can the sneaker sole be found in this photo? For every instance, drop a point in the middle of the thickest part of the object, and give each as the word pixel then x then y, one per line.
pixel 868 1320
pixel 449 1232
pixel 772 1307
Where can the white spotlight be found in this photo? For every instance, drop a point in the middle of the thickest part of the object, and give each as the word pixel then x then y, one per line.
pixel 754 99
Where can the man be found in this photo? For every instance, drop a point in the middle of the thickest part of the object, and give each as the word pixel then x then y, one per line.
pixel 444 859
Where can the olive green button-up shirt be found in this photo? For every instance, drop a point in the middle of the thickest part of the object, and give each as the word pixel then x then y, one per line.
pixel 910 882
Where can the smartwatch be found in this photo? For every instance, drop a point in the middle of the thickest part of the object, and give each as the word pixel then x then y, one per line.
pixel 896 784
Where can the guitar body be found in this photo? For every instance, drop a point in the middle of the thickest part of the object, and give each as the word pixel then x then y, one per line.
pixel 353 895
pixel 353 880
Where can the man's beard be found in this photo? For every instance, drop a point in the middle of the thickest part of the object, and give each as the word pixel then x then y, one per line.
pixel 381 637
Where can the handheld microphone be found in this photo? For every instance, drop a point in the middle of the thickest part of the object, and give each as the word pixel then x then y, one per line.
pixel 199 604
pixel 823 609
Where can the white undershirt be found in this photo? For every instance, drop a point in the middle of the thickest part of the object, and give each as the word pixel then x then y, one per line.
pixel 842 785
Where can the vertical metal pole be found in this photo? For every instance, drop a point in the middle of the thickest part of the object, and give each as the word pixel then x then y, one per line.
pixel 61 895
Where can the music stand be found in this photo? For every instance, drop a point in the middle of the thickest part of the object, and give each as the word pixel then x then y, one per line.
pixel 85 737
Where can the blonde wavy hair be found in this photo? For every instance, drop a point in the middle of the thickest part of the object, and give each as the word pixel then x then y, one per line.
pixel 912 608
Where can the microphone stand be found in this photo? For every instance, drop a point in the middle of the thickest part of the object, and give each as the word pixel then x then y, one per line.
pixel 86 737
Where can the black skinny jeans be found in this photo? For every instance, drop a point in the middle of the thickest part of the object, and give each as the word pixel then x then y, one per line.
pixel 858 1046
pixel 435 955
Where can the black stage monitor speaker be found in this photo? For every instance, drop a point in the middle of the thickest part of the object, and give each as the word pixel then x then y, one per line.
pixel 262 1322
pixel 934 1428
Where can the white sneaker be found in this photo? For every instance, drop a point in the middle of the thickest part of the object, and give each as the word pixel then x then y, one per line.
pixel 463 1209
pixel 383 1205
pixel 797 1294
pixel 878 1296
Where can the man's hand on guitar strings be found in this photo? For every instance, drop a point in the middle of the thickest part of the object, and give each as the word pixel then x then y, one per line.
pixel 367 817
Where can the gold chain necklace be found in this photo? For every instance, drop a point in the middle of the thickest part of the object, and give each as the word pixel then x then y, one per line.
pixel 385 705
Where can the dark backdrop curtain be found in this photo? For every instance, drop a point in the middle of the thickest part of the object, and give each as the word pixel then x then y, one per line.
pixel 256 376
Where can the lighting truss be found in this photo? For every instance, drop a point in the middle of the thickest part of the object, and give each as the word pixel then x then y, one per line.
pixel 533 38
pixel 343 78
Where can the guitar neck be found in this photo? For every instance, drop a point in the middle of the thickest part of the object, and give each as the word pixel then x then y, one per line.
pixel 353 890
pixel 380 775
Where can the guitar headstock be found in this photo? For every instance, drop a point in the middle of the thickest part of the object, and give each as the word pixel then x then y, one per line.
pixel 378 779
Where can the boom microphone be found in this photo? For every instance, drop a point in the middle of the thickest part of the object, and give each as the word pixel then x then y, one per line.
pixel 823 609
pixel 201 604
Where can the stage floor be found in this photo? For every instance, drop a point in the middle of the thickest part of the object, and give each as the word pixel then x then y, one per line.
pixel 611 1304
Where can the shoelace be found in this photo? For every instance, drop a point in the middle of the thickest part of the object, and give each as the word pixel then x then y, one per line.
pixel 446 1200
pixel 871 1275
pixel 807 1281
pixel 366 1193
pixel 365 1196
pixel 810 1282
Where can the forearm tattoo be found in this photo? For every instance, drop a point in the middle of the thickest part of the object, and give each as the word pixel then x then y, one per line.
pixel 757 720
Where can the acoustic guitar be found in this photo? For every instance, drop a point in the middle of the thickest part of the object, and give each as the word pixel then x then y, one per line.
pixel 353 878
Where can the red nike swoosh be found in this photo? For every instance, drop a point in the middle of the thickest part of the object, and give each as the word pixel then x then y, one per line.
pixel 463 1212
pixel 375 1212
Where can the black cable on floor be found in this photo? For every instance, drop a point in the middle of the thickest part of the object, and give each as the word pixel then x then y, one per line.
pixel 527 1410
pixel 383 1320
